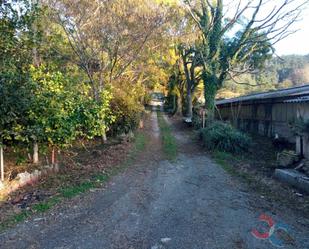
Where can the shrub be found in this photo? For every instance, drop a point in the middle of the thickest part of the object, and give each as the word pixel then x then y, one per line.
pixel 196 120
pixel 197 117
pixel 223 137
pixel 127 107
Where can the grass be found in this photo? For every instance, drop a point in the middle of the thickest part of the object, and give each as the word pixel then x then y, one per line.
pixel 233 165
pixel 229 163
pixel 20 217
pixel 168 140
pixel 225 160
pixel 139 144
pixel 15 219
pixel 71 191
pixel 98 179
pixel 101 178
pixel 44 206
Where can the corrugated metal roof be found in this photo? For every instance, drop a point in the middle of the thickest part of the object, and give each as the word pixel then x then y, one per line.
pixel 288 92
pixel 297 100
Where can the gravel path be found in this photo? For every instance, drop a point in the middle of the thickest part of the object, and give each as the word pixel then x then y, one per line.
pixel 156 204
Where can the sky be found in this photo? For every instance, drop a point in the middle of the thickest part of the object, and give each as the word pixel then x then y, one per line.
pixel 297 43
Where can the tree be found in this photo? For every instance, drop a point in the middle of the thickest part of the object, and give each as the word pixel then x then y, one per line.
pixel 44 98
pixel 60 112
pixel 107 37
pixel 278 73
pixel 176 88
pixel 16 46
pixel 191 61
pixel 225 56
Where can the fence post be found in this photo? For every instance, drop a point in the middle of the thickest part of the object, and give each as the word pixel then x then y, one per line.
pixel 1 163
pixel 203 118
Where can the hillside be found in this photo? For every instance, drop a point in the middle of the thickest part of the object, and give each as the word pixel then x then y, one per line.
pixel 283 72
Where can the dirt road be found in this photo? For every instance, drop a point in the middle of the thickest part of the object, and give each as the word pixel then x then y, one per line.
pixel 190 203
